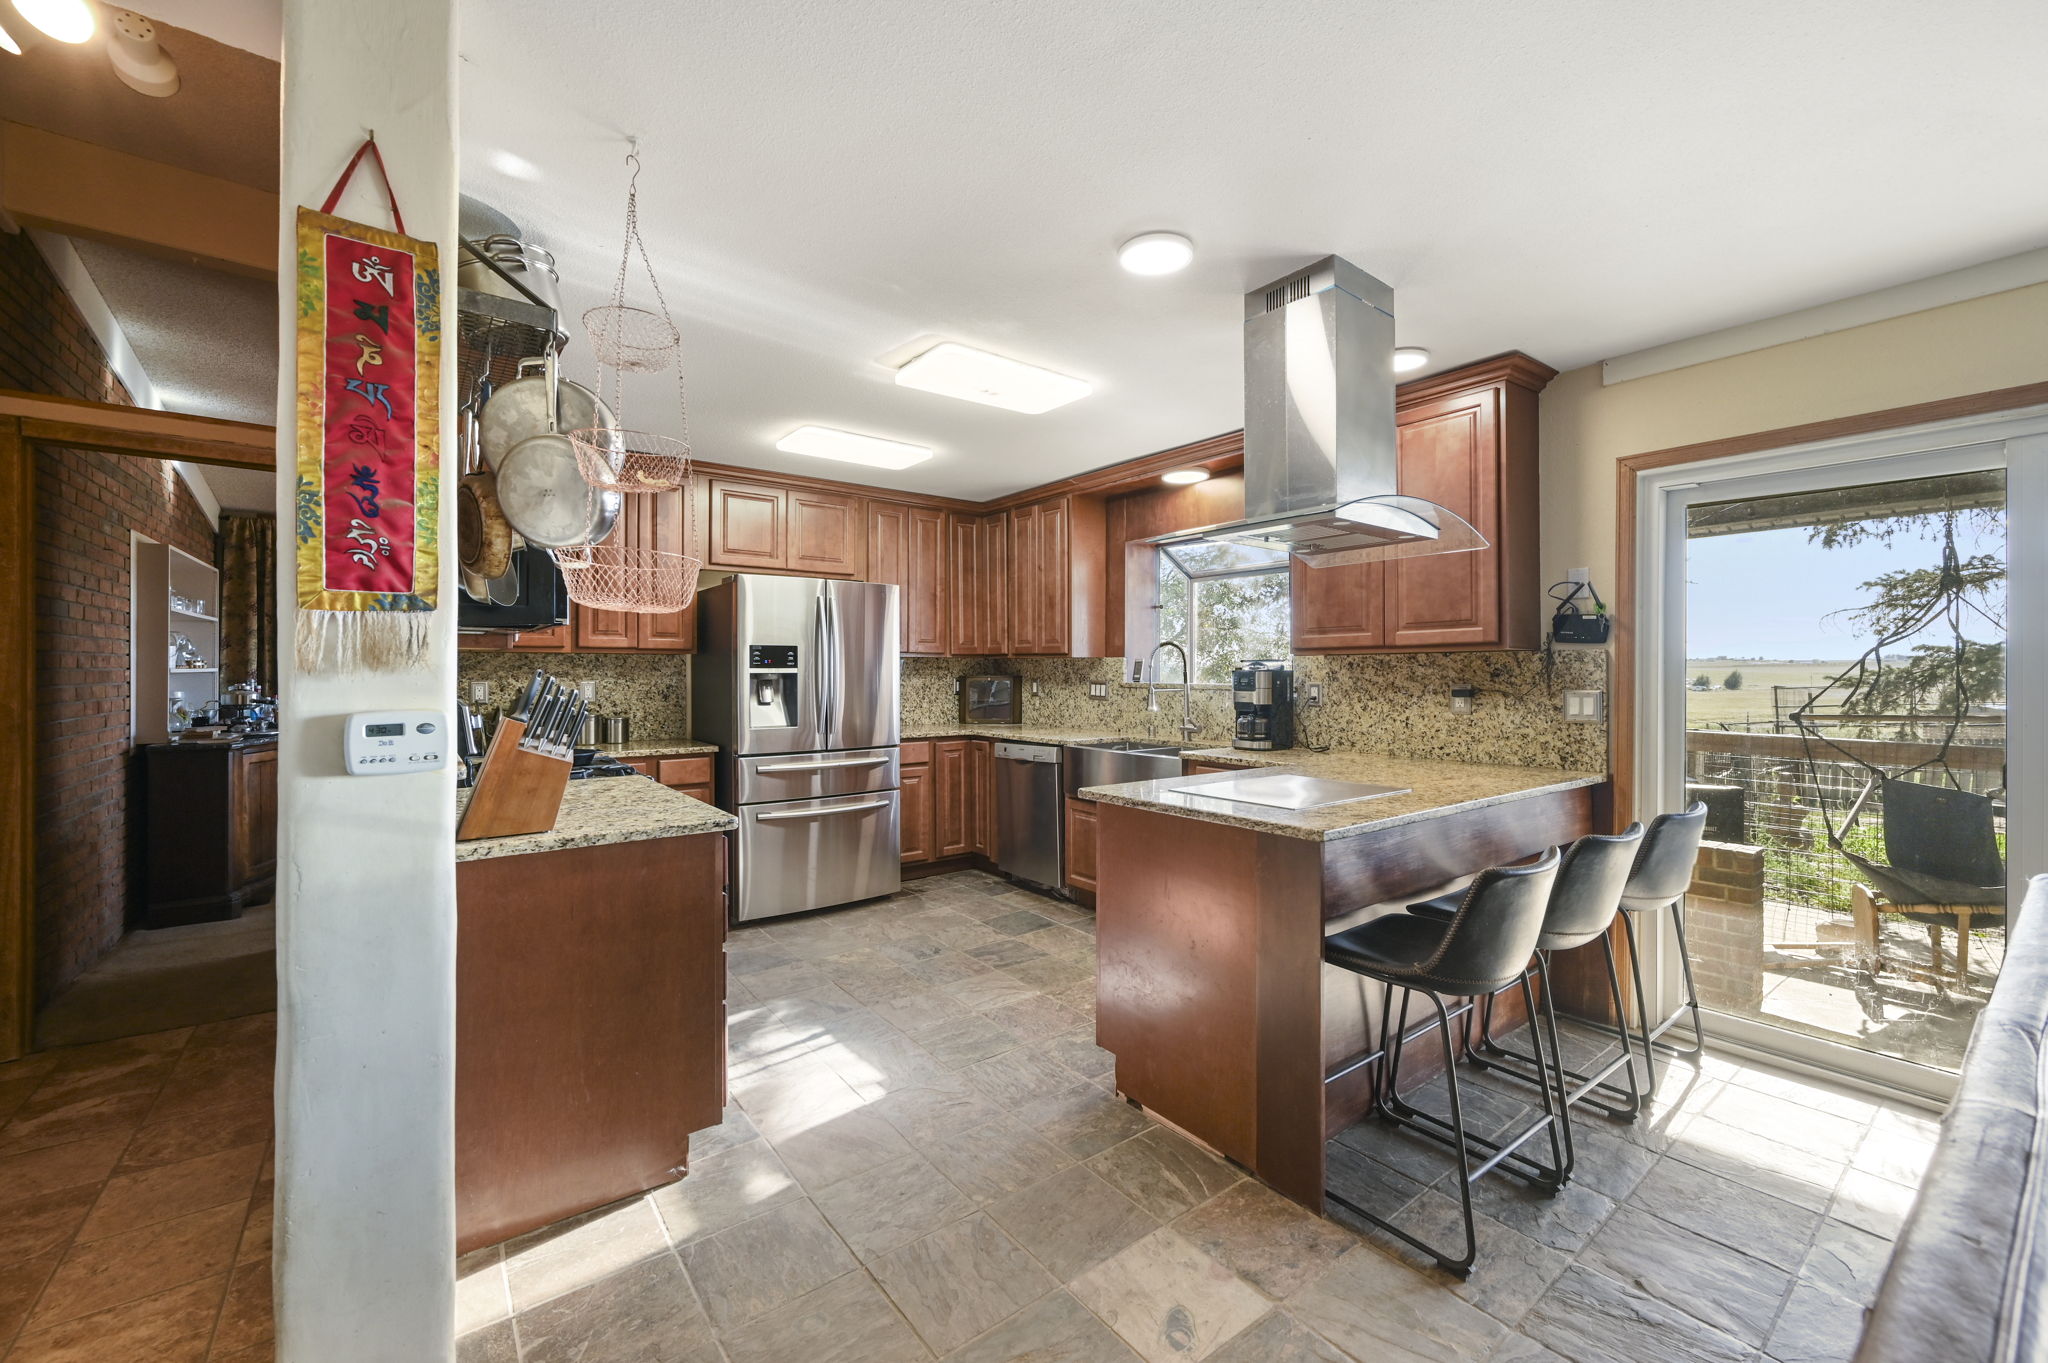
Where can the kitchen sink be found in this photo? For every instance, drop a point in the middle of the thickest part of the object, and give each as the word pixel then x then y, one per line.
pixel 1113 761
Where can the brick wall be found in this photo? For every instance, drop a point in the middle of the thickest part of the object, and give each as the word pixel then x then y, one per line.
pixel 87 505
pixel 1724 925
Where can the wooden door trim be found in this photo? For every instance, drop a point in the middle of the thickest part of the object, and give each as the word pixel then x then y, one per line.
pixel 1622 736
pixel 141 431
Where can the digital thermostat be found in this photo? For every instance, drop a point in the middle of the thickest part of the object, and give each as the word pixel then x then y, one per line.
pixel 394 742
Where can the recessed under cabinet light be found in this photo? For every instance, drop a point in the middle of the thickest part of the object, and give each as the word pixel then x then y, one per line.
pixel 1185 476
pixel 68 21
pixel 960 371
pixel 823 442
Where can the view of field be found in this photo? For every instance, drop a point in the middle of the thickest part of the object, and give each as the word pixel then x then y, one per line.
pixel 1753 700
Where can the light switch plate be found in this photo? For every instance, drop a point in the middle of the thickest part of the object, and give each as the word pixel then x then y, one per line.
pixel 1585 707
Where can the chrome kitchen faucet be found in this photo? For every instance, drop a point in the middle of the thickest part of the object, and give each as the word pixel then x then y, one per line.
pixel 1188 727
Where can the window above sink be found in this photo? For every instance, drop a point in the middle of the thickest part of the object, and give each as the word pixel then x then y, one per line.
pixel 1223 603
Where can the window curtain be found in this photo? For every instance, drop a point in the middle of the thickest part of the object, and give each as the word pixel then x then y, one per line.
pixel 248 599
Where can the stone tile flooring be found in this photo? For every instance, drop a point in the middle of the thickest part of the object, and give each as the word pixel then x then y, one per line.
pixel 925 1159
pixel 135 1198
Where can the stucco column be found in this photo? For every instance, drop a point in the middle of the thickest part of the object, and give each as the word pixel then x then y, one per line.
pixel 366 871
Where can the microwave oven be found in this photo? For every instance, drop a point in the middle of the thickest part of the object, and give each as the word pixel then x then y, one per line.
pixel 992 698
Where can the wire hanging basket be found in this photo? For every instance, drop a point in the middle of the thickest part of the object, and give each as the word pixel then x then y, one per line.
pixel 615 574
pixel 613 460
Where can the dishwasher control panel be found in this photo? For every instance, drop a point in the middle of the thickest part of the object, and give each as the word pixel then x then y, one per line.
pixel 1028 752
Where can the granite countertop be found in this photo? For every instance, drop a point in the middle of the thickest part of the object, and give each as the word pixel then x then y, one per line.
pixel 656 746
pixel 1018 733
pixel 1432 788
pixel 607 809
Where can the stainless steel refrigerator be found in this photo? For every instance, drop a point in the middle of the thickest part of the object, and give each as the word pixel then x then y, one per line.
pixel 796 681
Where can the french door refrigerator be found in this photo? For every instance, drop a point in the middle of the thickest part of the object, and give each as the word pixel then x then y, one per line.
pixel 796 681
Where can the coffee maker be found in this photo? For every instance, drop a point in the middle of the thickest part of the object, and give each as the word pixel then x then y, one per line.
pixel 1262 694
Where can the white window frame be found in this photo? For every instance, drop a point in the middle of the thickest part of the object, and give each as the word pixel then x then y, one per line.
pixel 1194 579
pixel 2016 441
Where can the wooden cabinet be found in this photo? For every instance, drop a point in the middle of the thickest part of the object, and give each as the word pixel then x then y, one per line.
pixel 1199 768
pixel 907 546
pixel 664 526
pixel 690 775
pixel 1081 825
pixel 981 797
pixel 1056 578
pixel 953 798
pixel 554 639
pixel 915 814
pixel 209 830
pixel 981 583
pixel 1467 442
pixel 764 526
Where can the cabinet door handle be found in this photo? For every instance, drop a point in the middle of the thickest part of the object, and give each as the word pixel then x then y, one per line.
pixel 820 813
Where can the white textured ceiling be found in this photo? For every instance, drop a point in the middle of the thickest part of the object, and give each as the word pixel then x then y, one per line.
pixel 826 184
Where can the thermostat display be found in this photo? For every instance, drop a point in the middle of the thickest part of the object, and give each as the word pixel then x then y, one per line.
pixel 393 742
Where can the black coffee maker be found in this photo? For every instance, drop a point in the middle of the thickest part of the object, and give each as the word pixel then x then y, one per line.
pixel 1262 694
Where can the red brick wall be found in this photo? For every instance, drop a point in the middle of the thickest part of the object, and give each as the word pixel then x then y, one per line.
pixel 87 504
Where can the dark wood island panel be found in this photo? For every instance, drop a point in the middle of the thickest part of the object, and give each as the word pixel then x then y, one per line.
pixel 590 1026
pixel 1211 990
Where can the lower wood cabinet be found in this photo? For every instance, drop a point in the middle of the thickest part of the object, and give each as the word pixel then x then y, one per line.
pixel 953 798
pixel 947 802
pixel 210 830
pixel 914 814
pixel 1081 824
pixel 690 775
pixel 981 794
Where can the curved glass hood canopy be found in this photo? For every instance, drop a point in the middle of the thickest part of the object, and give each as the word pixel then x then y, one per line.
pixel 1320 453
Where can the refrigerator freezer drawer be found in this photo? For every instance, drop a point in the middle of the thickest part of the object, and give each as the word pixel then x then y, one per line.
pixel 810 776
pixel 812 854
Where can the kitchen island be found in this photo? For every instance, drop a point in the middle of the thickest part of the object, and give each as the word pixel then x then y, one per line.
pixel 1210 915
pixel 590 1005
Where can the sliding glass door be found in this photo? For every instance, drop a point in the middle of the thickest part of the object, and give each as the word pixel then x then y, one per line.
pixel 1838 659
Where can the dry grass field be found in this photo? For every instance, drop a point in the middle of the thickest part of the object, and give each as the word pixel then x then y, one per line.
pixel 1753 701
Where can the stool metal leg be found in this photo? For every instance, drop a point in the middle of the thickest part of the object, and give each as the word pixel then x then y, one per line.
pixel 1390 1106
pixel 1390 1042
pixel 1494 1054
pixel 1692 994
pixel 1651 1037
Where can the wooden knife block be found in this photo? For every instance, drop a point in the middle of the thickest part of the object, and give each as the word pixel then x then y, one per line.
pixel 516 791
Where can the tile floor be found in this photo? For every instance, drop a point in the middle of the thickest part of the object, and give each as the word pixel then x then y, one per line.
pixel 135 1198
pixel 924 1160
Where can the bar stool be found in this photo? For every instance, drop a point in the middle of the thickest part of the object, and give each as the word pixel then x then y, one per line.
pixel 1584 899
pixel 1483 947
pixel 1662 873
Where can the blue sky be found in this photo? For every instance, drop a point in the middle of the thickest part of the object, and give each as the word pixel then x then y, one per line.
pixel 1765 595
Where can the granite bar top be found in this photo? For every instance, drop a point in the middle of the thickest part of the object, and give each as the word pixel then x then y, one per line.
pixel 1431 788
pixel 1017 733
pixel 603 810
pixel 656 746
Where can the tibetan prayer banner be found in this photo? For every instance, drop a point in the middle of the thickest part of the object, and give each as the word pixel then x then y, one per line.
pixel 368 466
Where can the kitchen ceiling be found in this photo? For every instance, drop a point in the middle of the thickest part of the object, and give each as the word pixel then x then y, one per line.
pixel 832 186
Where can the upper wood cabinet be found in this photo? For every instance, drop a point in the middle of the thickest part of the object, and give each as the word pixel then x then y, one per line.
pixel 1467 442
pixel 1057 602
pixel 755 526
pixel 907 546
pixel 980 583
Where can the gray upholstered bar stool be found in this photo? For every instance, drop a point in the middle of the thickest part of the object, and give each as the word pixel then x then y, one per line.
pixel 1663 872
pixel 1482 947
pixel 1583 902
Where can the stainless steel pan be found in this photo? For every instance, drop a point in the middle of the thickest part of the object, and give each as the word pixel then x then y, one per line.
pixel 519 410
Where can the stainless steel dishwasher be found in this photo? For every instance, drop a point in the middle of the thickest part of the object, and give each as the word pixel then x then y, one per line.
pixel 1029 813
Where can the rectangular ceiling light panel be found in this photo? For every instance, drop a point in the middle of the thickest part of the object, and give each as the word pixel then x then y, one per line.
pixel 822 442
pixel 960 371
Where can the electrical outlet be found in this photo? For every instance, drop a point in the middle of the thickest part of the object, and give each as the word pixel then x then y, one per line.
pixel 479 693
pixel 1314 694
pixel 1579 575
pixel 1585 707
pixel 1462 698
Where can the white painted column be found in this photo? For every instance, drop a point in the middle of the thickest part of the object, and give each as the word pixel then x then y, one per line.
pixel 364 1257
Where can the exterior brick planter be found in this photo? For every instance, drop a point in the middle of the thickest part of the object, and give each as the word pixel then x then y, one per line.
pixel 1724 925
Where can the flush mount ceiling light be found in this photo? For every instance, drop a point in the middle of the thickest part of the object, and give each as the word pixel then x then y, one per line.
pixel 1156 253
pixel 68 21
pixel 961 371
pixel 1409 358
pixel 1185 476
pixel 137 58
pixel 513 164
pixel 822 442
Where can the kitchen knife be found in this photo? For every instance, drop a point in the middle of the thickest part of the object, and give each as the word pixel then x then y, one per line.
pixel 531 696
pixel 565 733
pixel 543 715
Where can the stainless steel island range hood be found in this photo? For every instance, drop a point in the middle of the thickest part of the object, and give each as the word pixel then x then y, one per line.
pixel 1319 440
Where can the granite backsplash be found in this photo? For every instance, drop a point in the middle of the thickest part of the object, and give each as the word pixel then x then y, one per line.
pixel 1398 704
pixel 652 690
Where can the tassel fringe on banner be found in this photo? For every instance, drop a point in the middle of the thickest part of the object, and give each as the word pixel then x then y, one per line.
pixel 359 643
